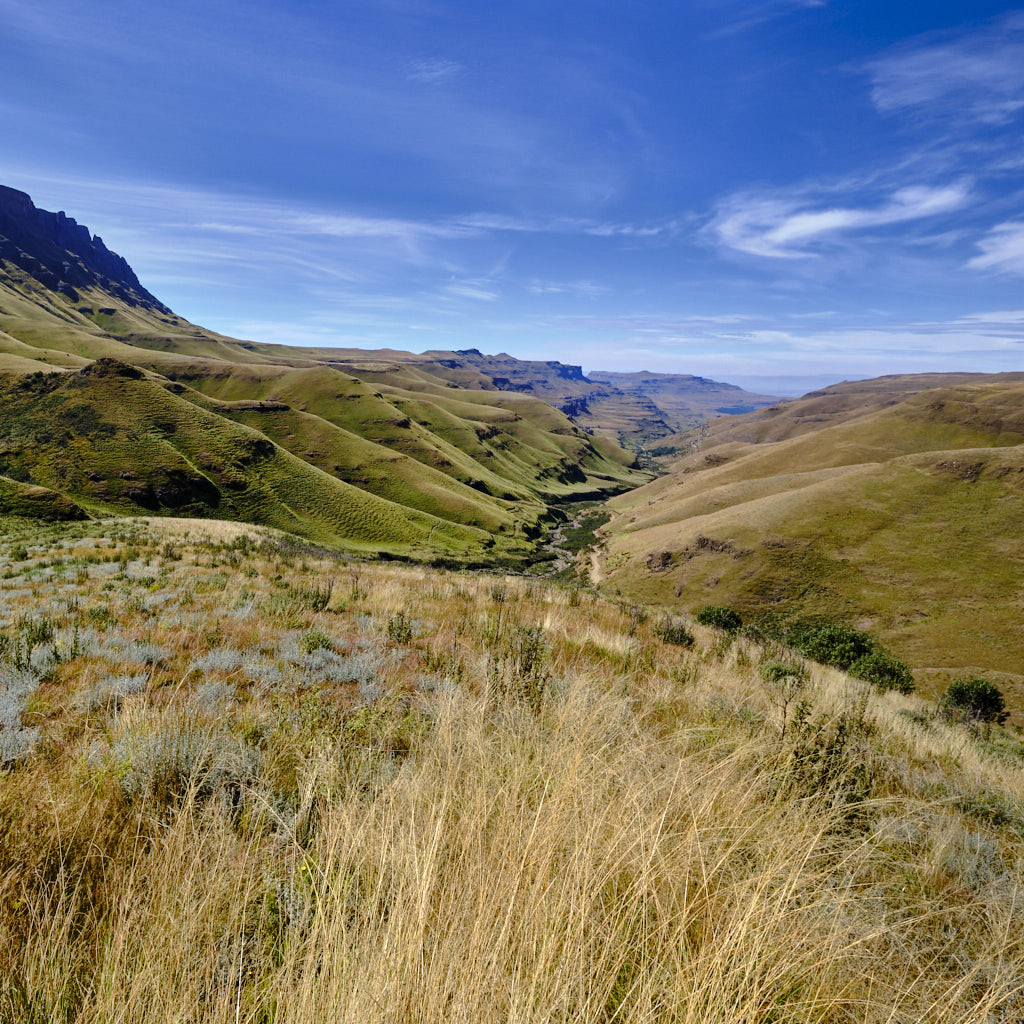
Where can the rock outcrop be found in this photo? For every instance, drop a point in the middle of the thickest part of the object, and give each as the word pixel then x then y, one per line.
pixel 63 255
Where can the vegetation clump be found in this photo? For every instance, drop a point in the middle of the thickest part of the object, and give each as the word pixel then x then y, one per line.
pixel 401 629
pixel 829 643
pixel 582 534
pixel 977 701
pixel 672 631
pixel 852 650
pixel 883 671
pixel 315 596
pixel 720 617
pixel 314 640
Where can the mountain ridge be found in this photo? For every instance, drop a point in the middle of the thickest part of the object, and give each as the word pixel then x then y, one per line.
pixel 52 237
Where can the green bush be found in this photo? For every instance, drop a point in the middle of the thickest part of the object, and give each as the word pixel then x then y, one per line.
pixel 721 618
pixel 100 616
pixel 316 597
pixel 974 700
pixel 314 640
pixel 883 671
pixel 830 644
pixel 776 673
pixel 401 628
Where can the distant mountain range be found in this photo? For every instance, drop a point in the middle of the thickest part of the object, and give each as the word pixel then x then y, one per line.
pixel 631 408
pixel 112 403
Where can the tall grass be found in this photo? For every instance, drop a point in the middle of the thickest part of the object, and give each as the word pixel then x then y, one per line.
pixel 633 841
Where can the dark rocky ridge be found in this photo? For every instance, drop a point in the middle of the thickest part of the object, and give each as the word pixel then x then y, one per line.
pixel 63 255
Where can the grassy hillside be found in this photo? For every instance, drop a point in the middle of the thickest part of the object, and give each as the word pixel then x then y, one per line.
pixel 114 403
pixel 246 782
pixel 27 501
pixel 831 406
pixel 902 516
pixel 402 460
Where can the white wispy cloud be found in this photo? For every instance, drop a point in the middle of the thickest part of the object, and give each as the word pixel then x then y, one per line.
pixel 1002 249
pixel 435 69
pixel 158 224
pixel 789 227
pixel 999 317
pixel 749 16
pixel 979 75
pixel 578 289
pixel 569 226
pixel 648 326
pixel 469 290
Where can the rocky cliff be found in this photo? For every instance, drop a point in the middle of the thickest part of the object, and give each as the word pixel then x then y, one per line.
pixel 62 254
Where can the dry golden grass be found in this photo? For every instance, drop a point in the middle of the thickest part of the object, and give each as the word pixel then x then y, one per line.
pixel 529 809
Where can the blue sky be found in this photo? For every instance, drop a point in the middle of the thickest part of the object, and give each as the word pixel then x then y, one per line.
pixel 772 192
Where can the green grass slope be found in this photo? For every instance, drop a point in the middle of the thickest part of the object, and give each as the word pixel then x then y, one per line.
pixel 835 405
pixel 117 441
pixel 27 501
pixel 455 466
pixel 452 452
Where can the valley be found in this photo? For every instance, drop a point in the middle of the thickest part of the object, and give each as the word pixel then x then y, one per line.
pixel 114 404
pixel 890 504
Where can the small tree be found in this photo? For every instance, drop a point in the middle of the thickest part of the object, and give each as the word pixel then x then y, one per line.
pixel 976 701
pixel 785 681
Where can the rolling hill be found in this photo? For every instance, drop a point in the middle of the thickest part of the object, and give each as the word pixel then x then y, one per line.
pixel 892 504
pixel 65 299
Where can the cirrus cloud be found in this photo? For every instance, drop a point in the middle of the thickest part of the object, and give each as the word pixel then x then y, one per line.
pixel 789 227
pixel 1002 249
pixel 979 76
